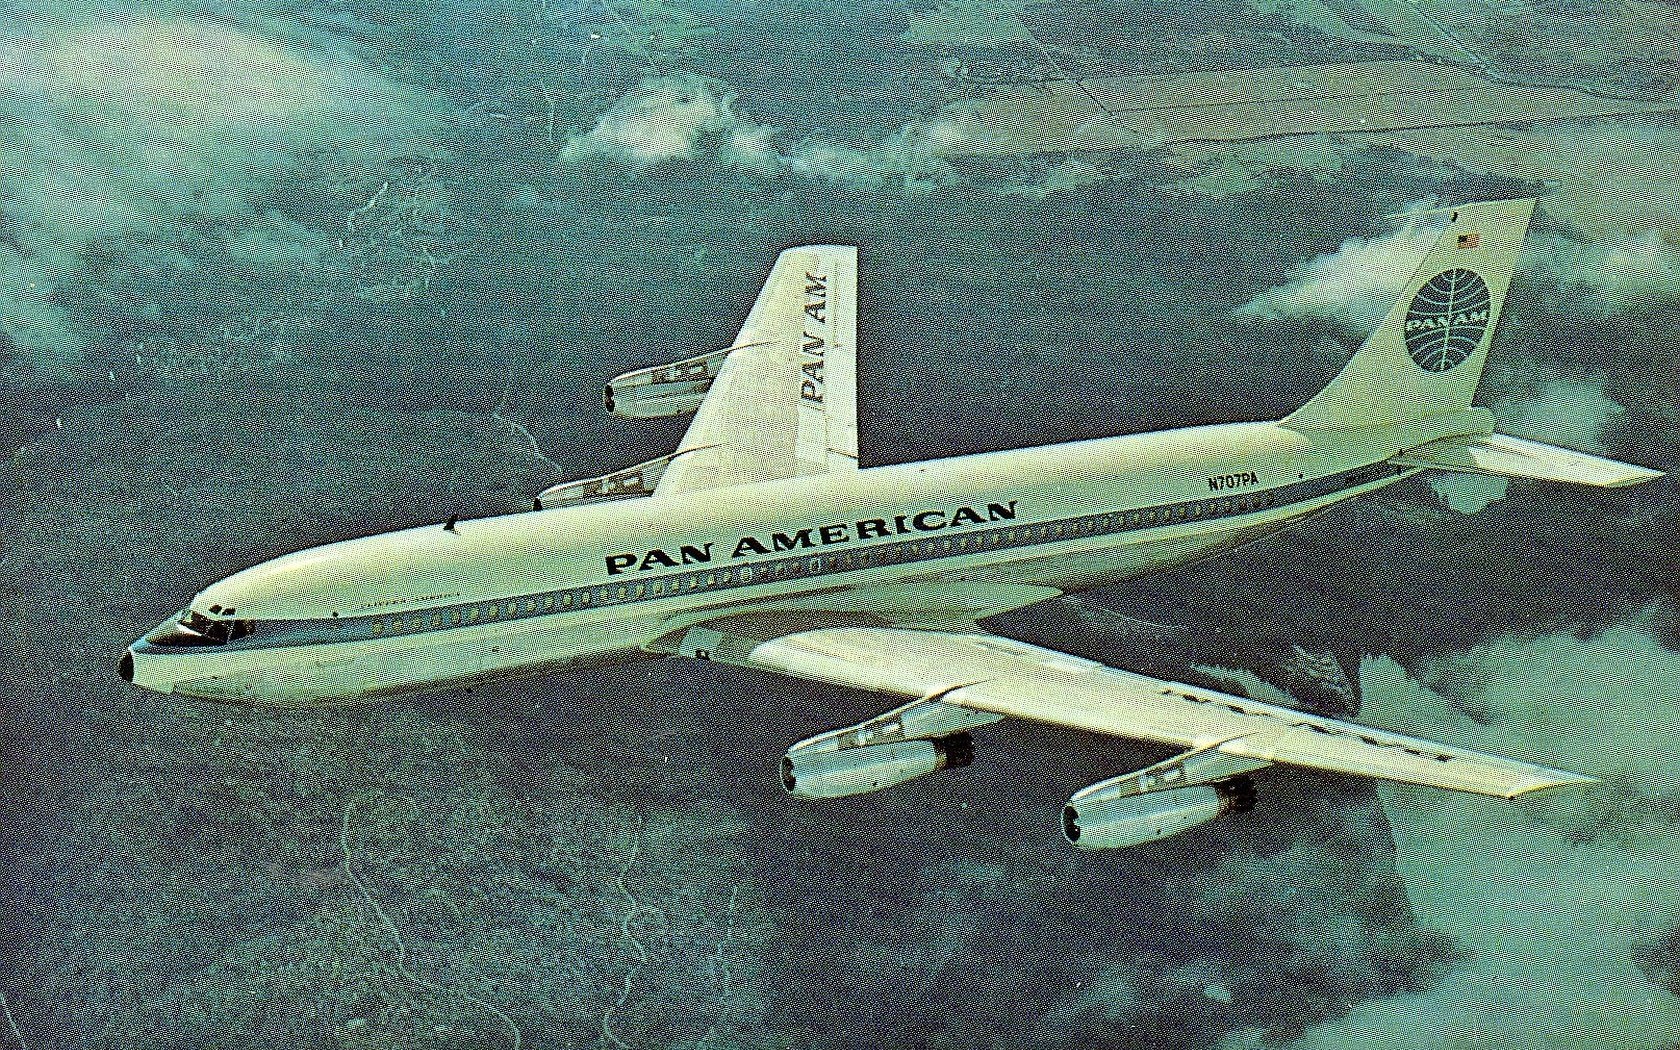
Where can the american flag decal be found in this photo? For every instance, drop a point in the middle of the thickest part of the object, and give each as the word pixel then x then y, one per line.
pixel 1469 240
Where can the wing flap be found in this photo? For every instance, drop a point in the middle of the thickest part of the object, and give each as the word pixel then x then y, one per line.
pixel 1017 680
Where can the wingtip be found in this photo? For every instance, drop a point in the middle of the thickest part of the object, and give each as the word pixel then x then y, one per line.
pixel 1557 779
pixel 1640 477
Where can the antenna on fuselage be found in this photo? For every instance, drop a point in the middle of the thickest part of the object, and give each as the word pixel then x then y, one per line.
pixel 449 526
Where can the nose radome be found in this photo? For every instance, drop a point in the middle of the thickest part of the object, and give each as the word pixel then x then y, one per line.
pixel 125 667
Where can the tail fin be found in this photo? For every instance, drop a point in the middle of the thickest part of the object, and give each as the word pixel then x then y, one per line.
pixel 1426 356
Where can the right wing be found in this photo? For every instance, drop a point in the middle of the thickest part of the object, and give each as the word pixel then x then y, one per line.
pixel 1002 677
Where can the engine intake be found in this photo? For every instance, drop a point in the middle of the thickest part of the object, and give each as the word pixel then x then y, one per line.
pixel 810 773
pixel 1100 820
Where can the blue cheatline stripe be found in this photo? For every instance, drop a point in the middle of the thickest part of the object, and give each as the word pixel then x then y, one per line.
pixel 816 563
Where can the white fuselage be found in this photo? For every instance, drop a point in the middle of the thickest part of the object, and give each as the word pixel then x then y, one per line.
pixel 953 539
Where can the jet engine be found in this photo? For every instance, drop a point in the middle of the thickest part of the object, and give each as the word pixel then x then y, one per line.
pixel 819 772
pixel 675 389
pixel 1108 815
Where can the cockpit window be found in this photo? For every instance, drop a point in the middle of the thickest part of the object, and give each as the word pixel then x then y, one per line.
pixel 195 628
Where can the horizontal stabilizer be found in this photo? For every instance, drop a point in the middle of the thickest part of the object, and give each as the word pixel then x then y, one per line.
pixel 1518 458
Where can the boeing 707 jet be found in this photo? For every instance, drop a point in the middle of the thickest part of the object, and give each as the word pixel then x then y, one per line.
pixel 760 542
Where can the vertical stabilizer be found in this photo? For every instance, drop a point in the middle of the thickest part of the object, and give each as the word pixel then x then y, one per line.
pixel 1426 356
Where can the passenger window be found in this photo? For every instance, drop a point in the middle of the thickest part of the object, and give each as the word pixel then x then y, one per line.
pixel 659 588
pixel 548 602
pixel 455 616
pixel 473 614
pixel 641 589
pixel 437 620
pixel 566 600
pixel 583 598
pixel 623 592
pixel 378 628
pixel 815 565
pixel 711 579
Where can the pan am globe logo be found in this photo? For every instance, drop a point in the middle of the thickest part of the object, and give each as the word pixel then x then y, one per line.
pixel 1447 319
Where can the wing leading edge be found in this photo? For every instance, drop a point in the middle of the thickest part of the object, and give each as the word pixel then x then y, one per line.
pixel 987 673
pixel 784 403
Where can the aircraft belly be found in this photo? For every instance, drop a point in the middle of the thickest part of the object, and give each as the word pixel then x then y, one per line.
pixel 305 675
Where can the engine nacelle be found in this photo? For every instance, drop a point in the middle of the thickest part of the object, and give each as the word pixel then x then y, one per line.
pixel 1099 819
pixel 809 773
pixel 638 480
pixel 675 389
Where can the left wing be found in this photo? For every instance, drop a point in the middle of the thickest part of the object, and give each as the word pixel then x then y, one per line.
pixel 999 677
pixel 784 401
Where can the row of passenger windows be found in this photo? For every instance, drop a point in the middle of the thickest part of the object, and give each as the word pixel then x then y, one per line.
pixel 799 567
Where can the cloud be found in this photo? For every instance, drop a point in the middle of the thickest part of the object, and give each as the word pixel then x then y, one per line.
pixel 1469 493
pixel 687 118
pixel 671 118
pixel 1357 283
pixel 1572 413
pixel 1615 275
pixel 126 122
pixel 1557 899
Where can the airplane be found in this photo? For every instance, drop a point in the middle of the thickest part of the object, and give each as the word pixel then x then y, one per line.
pixel 761 542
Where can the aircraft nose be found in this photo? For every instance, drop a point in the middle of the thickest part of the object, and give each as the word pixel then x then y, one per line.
pixel 146 668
